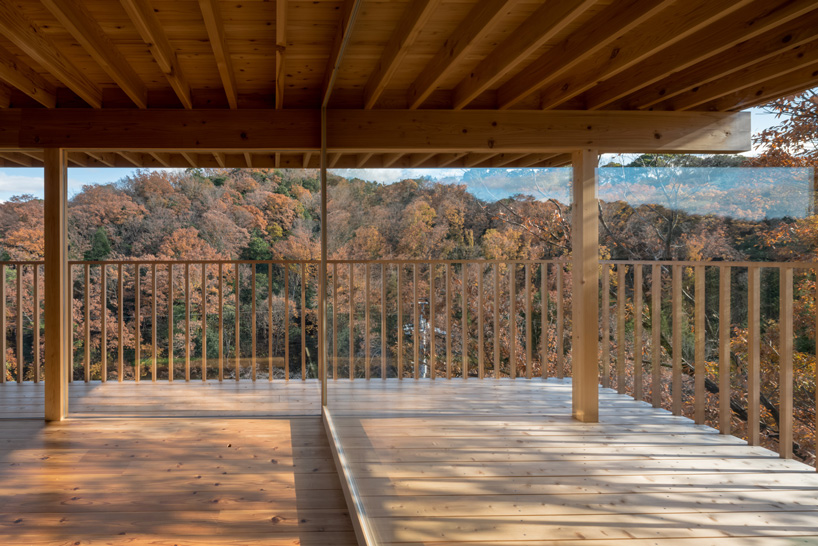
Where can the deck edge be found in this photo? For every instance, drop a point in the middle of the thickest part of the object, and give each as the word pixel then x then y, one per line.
pixel 360 522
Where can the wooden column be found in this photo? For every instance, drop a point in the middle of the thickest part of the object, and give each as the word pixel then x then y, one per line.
pixel 585 259
pixel 56 286
pixel 322 270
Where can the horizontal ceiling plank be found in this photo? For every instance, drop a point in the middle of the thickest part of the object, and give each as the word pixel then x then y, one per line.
pixel 395 132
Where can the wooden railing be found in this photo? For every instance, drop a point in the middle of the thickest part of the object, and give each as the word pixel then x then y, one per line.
pixel 732 365
pixel 250 320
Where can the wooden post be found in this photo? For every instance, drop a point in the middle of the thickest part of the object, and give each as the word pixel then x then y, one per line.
pixel 585 259
pixel 56 286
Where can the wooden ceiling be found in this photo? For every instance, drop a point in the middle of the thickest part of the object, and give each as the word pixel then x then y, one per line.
pixel 694 55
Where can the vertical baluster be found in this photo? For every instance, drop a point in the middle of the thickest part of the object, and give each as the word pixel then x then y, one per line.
pixel 785 372
pixel 678 319
pixel 103 305
pixel 480 336
pixel 367 346
pixel 620 329
pixel 544 319
pixel 724 349
pixel 606 326
pixel 36 325
pixel 153 322
pixel 238 321
pixel 400 319
pixel 120 326
pixel 656 333
pixel 448 320
pixel 529 365
pixel 253 323
pixel 187 322
pixel 754 354
pixel 351 320
pixel 464 328
pixel 86 308
pixel 70 324
pixel 3 331
pixel 170 322
pixel 416 320
pixel 560 324
pixel 335 321
pixel 303 321
pixel 496 330
pixel 20 360
pixel 699 367
pixel 432 321
pixel 270 319
pixel 286 322
pixel 637 332
pixel 221 321
pixel 137 364
pixel 383 321
pixel 204 321
pixel 512 320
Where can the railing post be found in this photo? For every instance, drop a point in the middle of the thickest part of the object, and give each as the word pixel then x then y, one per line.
pixel 56 286
pixel 585 259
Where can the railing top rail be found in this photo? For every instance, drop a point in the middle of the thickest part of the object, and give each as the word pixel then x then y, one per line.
pixel 282 262
pixel 689 263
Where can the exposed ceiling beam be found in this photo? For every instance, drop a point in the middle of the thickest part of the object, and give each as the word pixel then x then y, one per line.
pixel 190 158
pixel 743 25
pixel 780 65
pixel 106 158
pixel 361 160
pixel 589 40
pixel 35 43
pixel 133 158
pixel 548 21
pixel 629 49
pixel 162 158
pixel 281 50
pixel 306 163
pixel 332 160
pixel 381 131
pixel 790 83
pixel 444 160
pixel 416 160
pixel 349 13
pixel 144 18
pixel 504 159
pixel 415 16
pixel 742 55
pixel 248 158
pixel 476 25
pixel 219 158
pixel 81 25
pixel 390 159
pixel 215 33
pixel 560 160
pixel 473 160
pixel 20 159
pixel 19 75
pixel 77 158
pixel 533 159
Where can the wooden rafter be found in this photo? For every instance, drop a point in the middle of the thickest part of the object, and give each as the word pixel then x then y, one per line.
pixel 306 160
pixel 215 33
pixel 190 158
pixel 77 158
pixel 35 43
pixel 361 160
pixel 147 24
pixel 106 158
pixel 588 41
pixel 248 159
pixel 219 157
pixel 342 34
pixel 76 19
pixel 635 46
pixel 162 158
pixel 473 160
pixel 390 159
pixel 414 18
pixel 19 75
pixel 745 24
pixel 417 160
pixel 281 50
pixel 790 83
pixel 477 23
pixel 132 158
pixel 505 159
pixel 445 160
pixel 20 159
pixel 543 25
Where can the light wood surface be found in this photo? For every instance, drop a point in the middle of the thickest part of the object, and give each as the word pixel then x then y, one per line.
pixel 502 462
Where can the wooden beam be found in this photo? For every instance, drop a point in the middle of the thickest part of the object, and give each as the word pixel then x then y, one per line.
pixel 82 26
pixel 105 158
pixel 745 24
pixel 248 158
pixel 190 158
pixel 57 317
pixel 762 93
pixel 349 13
pixel 444 160
pixel 215 33
pixel 163 159
pixel 20 159
pixel 629 49
pixel 306 163
pixel 35 43
pixel 19 75
pixel 600 32
pixel 381 131
pixel 476 25
pixel 474 159
pixel 281 50
pixel 362 159
pixel 585 260
pixel 543 25
pixel 332 160
pixel 77 158
pixel 416 160
pixel 219 158
pixel 504 159
pixel 144 18
pixel 390 159
pixel 414 18
pixel 132 158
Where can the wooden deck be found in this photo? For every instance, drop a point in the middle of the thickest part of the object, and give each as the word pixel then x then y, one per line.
pixel 468 462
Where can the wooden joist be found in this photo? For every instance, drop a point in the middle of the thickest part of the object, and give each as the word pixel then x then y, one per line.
pixel 281 49
pixel 349 12
pixel 19 75
pixel 147 24
pixel 215 32
pixel 31 39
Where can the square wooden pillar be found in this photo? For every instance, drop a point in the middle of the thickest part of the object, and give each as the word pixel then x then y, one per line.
pixel 585 262
pixel 57 302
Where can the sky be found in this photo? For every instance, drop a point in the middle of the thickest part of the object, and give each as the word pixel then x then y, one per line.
pixel 17 181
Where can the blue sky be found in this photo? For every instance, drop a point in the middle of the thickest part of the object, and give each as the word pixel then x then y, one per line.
pixel 16 181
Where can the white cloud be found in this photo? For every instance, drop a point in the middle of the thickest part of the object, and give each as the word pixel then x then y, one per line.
pixel 389 176
pixel 20 181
